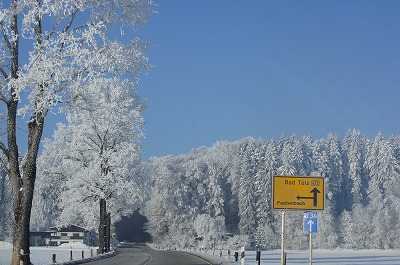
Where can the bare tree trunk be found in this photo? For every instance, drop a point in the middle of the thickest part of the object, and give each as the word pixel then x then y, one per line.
pixel 21 229
pixel 22 184
pixel 108 231
pixel 102 227
pixel 23 189
pixel 2 205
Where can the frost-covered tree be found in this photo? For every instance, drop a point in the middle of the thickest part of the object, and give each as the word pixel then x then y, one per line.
pixel 356 228
pixel 328 163
pixel 384 170
pixel 98 151
pixel 196 184
pixel 247 189
pixel 291 157
pixel 49 51
pixel 209 229
pixel 238 176
pixel 164 208
pixel 267 161
pixel 354 150
pixel 383 191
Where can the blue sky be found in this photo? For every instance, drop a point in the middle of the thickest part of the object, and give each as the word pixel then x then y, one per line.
pixel 225 70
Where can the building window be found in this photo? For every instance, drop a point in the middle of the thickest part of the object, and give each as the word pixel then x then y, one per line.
pixel 64 234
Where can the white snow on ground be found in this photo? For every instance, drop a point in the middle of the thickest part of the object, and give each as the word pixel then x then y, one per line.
pixel 43 256
pixel 320 257
pixel 73 245
pixel 5 245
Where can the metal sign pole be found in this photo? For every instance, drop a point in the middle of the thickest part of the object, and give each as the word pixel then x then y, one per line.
pixel 283 240
pixel 310 247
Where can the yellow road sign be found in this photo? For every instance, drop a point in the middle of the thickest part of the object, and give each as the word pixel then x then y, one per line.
pixel 298 193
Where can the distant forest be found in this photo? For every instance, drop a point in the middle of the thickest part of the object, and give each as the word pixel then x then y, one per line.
pixel 227 190
pixel 222 194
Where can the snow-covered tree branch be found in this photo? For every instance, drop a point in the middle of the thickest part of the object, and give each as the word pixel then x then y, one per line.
pixel 100 148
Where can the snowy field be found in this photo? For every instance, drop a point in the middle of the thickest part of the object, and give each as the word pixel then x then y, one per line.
pixel 43 256
pixel 320 257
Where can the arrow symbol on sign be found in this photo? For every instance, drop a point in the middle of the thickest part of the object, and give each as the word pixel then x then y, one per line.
pixel 315 198
pixel 310 223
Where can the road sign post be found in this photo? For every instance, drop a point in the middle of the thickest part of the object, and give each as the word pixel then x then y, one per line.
pixel 298 193
pixel 283 239
pixel 310 248
pixel 310 225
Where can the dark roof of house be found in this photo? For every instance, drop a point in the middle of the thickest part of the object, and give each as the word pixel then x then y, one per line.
pixel 68 228
pixel 39 234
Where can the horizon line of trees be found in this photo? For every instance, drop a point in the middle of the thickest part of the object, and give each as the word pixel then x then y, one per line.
pixel 223 194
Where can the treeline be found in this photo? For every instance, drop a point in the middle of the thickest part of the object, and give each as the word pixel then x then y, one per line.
pixel 232 181
pixel 223 194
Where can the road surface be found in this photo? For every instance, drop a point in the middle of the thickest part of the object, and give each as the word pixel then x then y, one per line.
pixel 140 254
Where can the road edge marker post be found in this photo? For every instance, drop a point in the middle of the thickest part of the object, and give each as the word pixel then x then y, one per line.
pixel 242 256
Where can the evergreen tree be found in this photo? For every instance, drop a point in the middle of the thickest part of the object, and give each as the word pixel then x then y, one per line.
pixel 356 228
pixel 354 149
pixel 246 200
pixel 383 191
pixel 263 181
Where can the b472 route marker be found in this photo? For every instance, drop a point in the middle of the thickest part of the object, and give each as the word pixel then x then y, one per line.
pixel 298 193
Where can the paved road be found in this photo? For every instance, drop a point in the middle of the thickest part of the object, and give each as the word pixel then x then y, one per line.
pixel 140 254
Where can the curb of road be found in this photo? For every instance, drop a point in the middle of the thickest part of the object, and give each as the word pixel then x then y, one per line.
pixel 213 260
